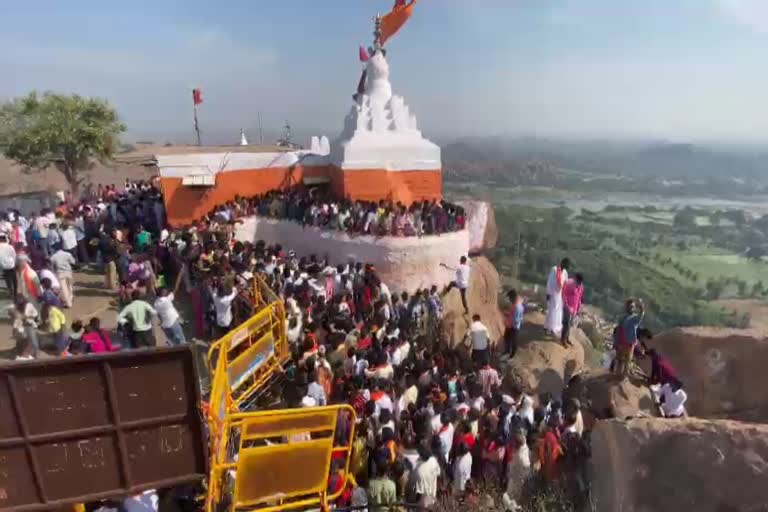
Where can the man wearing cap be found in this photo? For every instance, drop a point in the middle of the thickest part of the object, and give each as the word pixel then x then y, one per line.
pixel 8 264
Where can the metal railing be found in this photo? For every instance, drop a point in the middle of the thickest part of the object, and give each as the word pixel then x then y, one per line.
pixel 278 460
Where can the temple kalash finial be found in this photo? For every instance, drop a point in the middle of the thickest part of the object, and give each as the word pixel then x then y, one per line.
pixel 377 45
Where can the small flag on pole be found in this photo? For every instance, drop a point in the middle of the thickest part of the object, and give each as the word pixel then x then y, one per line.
pixel 197 96
pixel 363 54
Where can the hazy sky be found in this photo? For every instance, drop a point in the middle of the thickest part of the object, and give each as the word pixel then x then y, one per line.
pixel 678 69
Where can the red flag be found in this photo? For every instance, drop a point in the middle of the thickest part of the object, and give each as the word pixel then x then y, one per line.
pixel 392 22
pixel 363 54
pixel 197 96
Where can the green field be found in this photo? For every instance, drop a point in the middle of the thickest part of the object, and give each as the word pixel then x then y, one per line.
pixel 679 269
pixel 714 263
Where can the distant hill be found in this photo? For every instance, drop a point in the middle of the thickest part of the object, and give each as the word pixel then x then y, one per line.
pixel 517 160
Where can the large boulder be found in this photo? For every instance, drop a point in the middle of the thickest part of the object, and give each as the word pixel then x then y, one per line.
pixel 659 465
pixel 603 391
pixel 542 364
pixel 481 223
pixel 723 371
pixel 482 299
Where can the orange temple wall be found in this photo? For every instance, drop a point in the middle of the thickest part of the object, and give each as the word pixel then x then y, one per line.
pixel 186 204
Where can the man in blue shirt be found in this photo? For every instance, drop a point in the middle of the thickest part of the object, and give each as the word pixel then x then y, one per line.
pixel 513 322
pixel 625 336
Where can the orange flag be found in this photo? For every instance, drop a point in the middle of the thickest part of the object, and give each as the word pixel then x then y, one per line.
pixel 392 22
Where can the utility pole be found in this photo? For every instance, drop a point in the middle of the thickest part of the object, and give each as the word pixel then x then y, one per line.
pixel 261 134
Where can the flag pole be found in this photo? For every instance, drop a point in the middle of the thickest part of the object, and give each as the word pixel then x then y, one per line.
pixel 195 96
pixel 197 126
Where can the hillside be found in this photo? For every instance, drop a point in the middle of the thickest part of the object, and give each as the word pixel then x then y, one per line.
pixel 658 167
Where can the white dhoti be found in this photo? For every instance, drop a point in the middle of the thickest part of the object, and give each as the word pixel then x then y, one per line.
pixel 554 320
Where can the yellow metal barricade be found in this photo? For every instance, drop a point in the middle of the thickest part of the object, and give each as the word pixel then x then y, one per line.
pixel 273 460
pixel 280 460
pixel 254 351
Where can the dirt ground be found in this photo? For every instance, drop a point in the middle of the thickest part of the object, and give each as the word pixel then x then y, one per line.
pixel 757 309
pixel 91 300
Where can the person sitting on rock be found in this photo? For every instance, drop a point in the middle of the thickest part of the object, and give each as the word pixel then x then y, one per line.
pixel 672 400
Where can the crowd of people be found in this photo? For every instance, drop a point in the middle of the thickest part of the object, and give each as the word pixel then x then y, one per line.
pixel 433 420
pixel 313 207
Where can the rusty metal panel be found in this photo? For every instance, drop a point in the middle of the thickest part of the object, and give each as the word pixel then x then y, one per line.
pixel 93 427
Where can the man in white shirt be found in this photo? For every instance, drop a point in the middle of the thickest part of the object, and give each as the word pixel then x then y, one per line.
pixel 293 330
pixel 673 400
pixel 315 390
pixel 462 468
pixel 479 340
pixel 41 226
pixel 461 281
pixel 222 302
pixel 8 265
pixel 69 239
pixel 445 434
pixel 170 320
pixel 426 477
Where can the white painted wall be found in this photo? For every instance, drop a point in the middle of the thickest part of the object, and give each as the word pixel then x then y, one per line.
pixel 405 264
pixel 180 165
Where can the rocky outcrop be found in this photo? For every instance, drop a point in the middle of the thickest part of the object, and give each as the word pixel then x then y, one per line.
pixel 482 298
pixel 602 391
pixel 660 465
pixel 542 364
pixel 723 371
pixel 481 223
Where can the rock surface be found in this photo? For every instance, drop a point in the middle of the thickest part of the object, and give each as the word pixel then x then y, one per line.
pixel 482 298
pixel 722 371
pixel 602 390
pixel 542 364
pixel 481 223
pixel 659 465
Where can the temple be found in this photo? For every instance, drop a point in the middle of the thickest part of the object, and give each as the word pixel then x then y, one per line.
pixel 380 154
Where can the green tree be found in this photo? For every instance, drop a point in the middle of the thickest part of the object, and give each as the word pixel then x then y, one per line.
pixel 715 288
pixel 68 132
pixel 684 219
